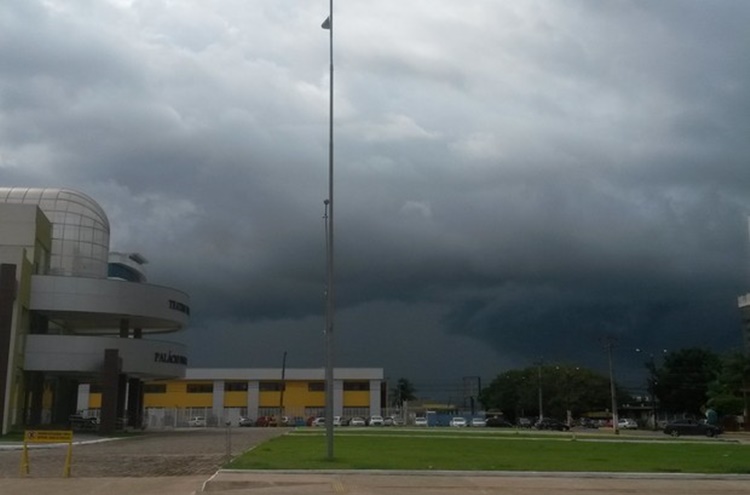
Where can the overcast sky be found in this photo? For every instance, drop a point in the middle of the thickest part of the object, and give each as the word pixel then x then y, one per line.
pixel 515 180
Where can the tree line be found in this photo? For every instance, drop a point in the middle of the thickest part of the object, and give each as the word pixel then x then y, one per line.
pixel 688 382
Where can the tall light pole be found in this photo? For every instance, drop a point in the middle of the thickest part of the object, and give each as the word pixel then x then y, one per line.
pixel 328 24
pixel 612 389
pixel 539 377
pixel 283 388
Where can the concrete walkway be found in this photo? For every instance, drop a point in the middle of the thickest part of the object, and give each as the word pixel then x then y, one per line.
pixel 373 483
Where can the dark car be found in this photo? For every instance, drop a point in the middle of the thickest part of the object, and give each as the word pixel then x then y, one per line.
pixel 525 423
pixel 79 422
pixel 245 421
pixel 551 424
pixel 691 427
pixel 498 423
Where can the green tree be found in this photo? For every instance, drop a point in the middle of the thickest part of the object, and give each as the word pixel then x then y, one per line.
pixel 728 393
pixel 682 382
pixel 564 388
pixel 402 392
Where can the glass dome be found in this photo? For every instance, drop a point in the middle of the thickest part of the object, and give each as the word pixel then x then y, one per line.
pixel 80 229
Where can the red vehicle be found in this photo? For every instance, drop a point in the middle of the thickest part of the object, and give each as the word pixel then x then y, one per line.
pixel 266 421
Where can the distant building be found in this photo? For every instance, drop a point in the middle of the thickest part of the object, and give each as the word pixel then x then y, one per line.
pixel 71 312
pixel 226 394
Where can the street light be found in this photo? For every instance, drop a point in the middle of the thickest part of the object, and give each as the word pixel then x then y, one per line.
pixel 328 24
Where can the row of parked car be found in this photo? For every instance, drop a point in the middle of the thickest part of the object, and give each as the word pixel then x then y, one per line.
pixel 375 420
pixel 674 428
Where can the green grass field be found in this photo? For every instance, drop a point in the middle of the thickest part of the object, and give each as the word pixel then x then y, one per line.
pixel 451 450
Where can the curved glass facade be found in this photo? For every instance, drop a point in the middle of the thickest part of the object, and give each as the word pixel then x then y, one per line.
pixel 80 229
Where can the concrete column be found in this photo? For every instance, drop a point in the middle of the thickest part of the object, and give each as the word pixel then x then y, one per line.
pixel 218 403
pixel 253 399
pixel 35 396
pixel 375 405
pixel 338 397
pixel 84 394
pixel 64 399
pixel 135 403
pixel 124 328
pixel 110 390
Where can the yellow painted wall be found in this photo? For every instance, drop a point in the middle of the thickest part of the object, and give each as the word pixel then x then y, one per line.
pixel 356 398
pixel 296 395
pixel 235 399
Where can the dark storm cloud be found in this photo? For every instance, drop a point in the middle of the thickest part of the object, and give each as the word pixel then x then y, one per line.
pixel 513 180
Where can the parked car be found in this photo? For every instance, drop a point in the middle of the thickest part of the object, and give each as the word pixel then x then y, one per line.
pixel 478 422
pixel 337 421
pixel 458 421
pixel 420 421
pixel 197 421
pixel 496 422
pixel 376 421
pixel 588 423
pixel 393 421
pixel 627 424
pixel 525 423
pixel 319 421
pixel 551 424
pixel 245 421
pixel 266 421
pixel 691 427
pixel 80 422
pixel 357 421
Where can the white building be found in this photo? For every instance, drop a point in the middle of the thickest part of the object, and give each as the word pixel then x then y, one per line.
pixel 70 314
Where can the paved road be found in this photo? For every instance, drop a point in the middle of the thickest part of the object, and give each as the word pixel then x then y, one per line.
pixel 185 462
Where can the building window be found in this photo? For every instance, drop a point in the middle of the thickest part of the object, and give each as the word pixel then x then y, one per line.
pixel 95 388
pixel 235 386
pixel 155 388
pixel 200 388
pixel 360 386
pixel 316 387
pixel 270 386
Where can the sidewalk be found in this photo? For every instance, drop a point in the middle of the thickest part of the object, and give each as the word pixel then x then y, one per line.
pixel 386 483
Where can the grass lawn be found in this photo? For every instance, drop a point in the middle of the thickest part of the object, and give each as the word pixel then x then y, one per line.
pixel 456 451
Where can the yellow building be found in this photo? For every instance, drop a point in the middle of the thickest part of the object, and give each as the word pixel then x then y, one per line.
pixel 224 395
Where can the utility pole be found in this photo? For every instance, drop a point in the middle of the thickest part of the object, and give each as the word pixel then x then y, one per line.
pixel 539 378
pixel 615 419
pixel 283 388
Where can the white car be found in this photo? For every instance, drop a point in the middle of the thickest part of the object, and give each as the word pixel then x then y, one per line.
pixel 197 421
pixel 420 421
pixel 357 421
pixel 320 421
pixel 478 422
pixel 627 424
pixel 376 421
pixel 458 421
